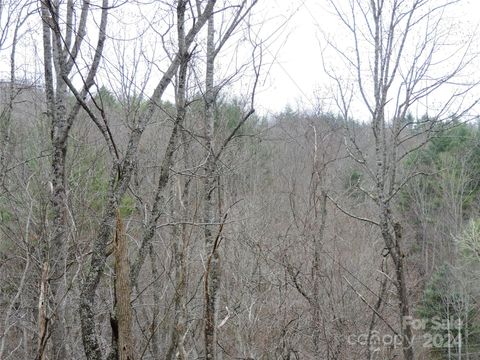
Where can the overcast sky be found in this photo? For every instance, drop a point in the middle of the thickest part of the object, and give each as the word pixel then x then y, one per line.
pixel 298 77
pixel 293 73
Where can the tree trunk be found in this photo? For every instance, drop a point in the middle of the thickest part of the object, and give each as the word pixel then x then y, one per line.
pixel 155 348
pixel 59 59
pixel 177 349
pixel 180 240
pixel 402 291
pixel 318 240
pixel 123 308
pixel 42 314
pixel 213 263
pixel 57 246
pixel 119 181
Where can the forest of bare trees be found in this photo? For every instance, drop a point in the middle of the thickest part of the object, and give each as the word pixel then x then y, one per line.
pixel 149 210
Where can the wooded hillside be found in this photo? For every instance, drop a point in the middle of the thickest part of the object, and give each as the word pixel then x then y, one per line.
pixel 148 211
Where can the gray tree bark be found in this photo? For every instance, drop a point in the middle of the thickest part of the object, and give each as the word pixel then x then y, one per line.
pixel 213 268
pixel 123 308
pixel 59 59
pixel 391 65
pixel 120 176
pixel 179 247
pixel 210 202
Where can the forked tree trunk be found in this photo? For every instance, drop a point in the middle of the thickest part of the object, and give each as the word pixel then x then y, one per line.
pixel 60 51
pixel 119 182
pixel 56 112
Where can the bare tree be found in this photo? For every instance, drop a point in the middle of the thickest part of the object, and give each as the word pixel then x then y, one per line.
pixel 13 15
pixel 179 325
pixel 61 50
pixel 150 196
pixel 121 173
pixel 183 61
pixel 394 62
pixel 212 203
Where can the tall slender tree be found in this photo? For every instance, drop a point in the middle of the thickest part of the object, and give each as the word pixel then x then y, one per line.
pixel 396 67
pixel 120 176
pixel 212 206
pixel 62 44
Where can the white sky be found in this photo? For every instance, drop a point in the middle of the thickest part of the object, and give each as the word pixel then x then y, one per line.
pixel 293 70
pixel 297 71
pixel 298 75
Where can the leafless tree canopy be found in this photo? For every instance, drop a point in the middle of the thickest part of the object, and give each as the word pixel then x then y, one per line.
pixel 148 210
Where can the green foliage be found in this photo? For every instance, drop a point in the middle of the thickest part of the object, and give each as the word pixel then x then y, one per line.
pixel 5 215
pixel 127 206
pixel 448 313
pixel 90 175
pixel 354 179
pixel 352 185
pixel 228 115
pixel 469 242
pixel 435 302
pixel 106 97
pixel 449 142
pixel 452 157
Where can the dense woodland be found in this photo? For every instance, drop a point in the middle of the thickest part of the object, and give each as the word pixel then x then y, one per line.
pixel 147 211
